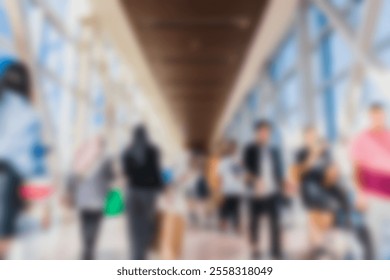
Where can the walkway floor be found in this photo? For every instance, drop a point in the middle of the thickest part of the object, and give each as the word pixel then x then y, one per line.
pixel 63 242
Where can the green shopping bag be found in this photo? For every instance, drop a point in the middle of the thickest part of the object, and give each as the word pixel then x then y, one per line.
pixel 114 204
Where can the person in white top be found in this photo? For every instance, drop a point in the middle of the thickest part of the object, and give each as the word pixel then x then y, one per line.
pixel 194 183
pixel 22 151
pixel 230 173
pixel 268 183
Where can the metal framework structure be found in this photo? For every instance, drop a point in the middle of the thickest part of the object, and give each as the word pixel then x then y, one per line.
pixel 80 84
pixel 326 59
pixel 318 73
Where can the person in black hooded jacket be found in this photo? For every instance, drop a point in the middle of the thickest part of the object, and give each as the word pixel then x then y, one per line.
pixel 141 167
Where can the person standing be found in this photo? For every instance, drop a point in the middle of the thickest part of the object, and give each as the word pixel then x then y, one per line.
pixel 141 167
pixel 231 178
pixel 264 175
pixel 202 194
pixel 310 162
pixel 370 154
pixel 22 153
pixel 308 169
pixel 89 183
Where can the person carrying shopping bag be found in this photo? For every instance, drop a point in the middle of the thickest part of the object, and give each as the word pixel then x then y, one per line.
pixel 89 184
pixel 142 170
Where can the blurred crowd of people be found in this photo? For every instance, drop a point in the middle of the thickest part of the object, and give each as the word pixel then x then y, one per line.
pixel 312 209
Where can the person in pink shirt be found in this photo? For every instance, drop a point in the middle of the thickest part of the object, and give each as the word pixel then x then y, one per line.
pixel 370 154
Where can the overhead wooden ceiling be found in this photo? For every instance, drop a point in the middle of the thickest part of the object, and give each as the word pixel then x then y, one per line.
pixel 195 49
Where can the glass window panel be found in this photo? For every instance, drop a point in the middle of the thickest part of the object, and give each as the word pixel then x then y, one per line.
pixel 97 102
pixel 246 125
pixel 315 30
pixel 51 53
pixel 257 99
pixel 372 94
pixel 290 98
pixel 341 54
pixel 316 68
pixel 71 64
pixel 67 116
pixel 5 28
pixel 269 110
pixel 356 16
pixel 290 93
pixel 341 99
pixel 59 7
pixel 52 93
pixel 339 4
pixel 113 63
pixel 382 31
pixel 253 100
pixel 320 113
pixel 34 21
pixel 5 51
pixel 285 58
pixel 351 10
pixel 384 56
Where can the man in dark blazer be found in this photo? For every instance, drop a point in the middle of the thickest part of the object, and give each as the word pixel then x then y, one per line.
pixel 264 176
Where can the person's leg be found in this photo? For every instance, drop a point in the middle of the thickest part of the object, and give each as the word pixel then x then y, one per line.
pixel 378 216
pixel 315 232
pixel 7 233
pixel 95 218
pixel 196 213
pixel 144 221
pixel 322 222
pixel 374 218
pixel 273 216
pixel 235 213
pixel 192 211
pixel 135 224
pixel 129 223
pixel 254 212
pixel 222 215
pixel 202 205
pixel 151 213
pixel 201 212
pixel 84 234
pixel 90 222
pixel 229 211
pixel 4 246
pixel 385 253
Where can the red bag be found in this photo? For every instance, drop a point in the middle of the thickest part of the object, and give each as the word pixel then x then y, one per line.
pixel 36 190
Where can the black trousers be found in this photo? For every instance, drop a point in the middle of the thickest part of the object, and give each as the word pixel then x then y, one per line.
pixel 230 210
pixel 10 202
pixel 269 207
pixel 90 224
pixel 142 221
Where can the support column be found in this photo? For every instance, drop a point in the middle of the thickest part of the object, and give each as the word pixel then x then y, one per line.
pixel 83 88
pixel 328 92
pixel 355 84
pixel 308 96
pixel 379 75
